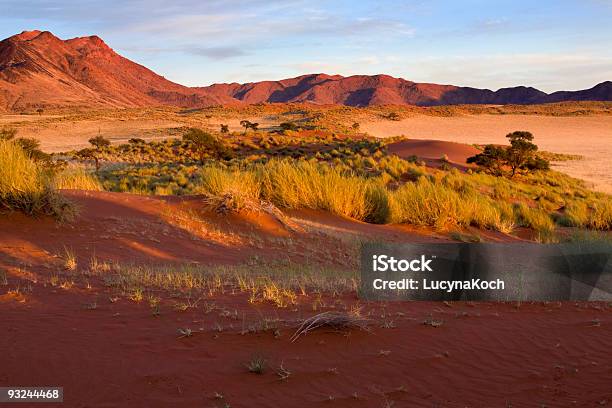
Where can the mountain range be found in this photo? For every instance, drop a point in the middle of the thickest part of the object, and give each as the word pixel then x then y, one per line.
pixel 39 70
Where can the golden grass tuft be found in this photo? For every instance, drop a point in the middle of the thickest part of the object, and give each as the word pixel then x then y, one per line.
pixel 305 184
pixel 27 187
pixel 76 179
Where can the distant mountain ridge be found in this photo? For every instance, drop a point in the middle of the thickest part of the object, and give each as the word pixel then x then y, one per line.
pixel 37 69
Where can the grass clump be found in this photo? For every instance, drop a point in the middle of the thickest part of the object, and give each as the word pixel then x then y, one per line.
pixel 353 177
pixel 257 365
pixel 76 179
pixel 305 184
pixel 229 190
pixel 27 187
pixel 536 219
pixel 595 215
pixel 427 203
pixel 337 321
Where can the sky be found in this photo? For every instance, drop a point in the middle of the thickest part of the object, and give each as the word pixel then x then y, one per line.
pixel 551 45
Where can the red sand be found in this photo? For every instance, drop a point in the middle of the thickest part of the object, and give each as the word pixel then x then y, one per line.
pixel 433 149
pixel 484 355
pixel 119 355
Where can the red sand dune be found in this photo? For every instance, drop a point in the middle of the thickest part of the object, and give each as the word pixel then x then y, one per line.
pixel 39 69
pixel 119 355
pixel 457 153
pixel 139 229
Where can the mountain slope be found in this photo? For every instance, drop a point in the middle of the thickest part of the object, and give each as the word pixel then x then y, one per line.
pixel 600 92
pixel 38 69
pixel 364 90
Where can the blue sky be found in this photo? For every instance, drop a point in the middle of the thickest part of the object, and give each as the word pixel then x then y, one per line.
pixel 551 45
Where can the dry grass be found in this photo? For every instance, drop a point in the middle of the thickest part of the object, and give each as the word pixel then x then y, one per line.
pixel 257 365
pixel 445 200
pixel 279 284
pixel 306 184
pixel 76 179
pixel 27 187
pixel 444 203
pixel 337 321
pixel 69 260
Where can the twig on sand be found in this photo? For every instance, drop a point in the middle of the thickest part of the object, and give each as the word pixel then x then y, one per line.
pixel 333 320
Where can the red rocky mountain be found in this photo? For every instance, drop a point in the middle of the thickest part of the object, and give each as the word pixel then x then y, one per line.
pixel 37 69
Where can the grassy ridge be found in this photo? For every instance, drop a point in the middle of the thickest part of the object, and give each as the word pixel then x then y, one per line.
pixel 355 177
pixel 442 200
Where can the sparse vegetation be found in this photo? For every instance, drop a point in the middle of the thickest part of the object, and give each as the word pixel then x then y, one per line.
pixel 257 365
pixel 7 133
pixel 357 179
pixel 353 177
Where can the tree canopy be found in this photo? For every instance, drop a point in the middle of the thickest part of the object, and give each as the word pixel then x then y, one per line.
pixel 520 155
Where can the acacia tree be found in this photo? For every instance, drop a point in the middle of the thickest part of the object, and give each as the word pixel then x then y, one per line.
pixel 520 155
pixel 521 151
pixel 246 125
pixel 99 142
pixel 224 128
pixel 249 125
pixel 89 153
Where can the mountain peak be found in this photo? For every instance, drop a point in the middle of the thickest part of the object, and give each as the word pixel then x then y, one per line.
pixel 91 42
pixel 35 36
pixel 26 35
